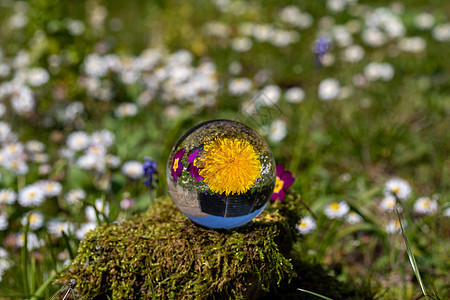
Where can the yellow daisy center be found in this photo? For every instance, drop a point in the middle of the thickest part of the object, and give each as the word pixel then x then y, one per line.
pixel 425 203
pixel 32 218
pixel 334 206
pixel 49 187
pixel 229 165
pixel 175 164
pixel 303 224
pixel 278 185
pixel 395 190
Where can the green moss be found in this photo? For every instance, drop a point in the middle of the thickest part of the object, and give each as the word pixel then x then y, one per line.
pixel 165 255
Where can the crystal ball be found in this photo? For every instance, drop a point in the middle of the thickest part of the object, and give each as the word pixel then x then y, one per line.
pixel 221 174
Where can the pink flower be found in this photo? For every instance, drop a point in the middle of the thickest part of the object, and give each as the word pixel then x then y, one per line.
pixel 177 166
pixel 283 181
pixel 192 169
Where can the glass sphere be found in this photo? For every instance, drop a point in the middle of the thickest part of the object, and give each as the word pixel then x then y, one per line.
pixel 221 174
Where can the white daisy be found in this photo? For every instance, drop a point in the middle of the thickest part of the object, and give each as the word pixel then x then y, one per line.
pixel 5 131
pixel 32 241
pixel 291 14
pixel 7 196
pixel 353 218
pixel 126 110
pixel 38 76
pixel 373 37
pixel 353 53
pixel 241 44
pixel 283 38
pixel 413 44
pixel 40 158
pixel 397 187
pixel 5 70
pixel 327 59
pixel 133 169
pixel 446 212
pixel 394 226
pixel 336 6
pixel 441 32
pixel 13 150
pixel 2 107
pixel 262 32
pixel 87 162
pixel 112 161
pixel 239 86
pixel 341 35
pixel 388 203
pixel 31 195
pixel 17 165
pixel 97 150
pixel 101 207
pixel 424 21
pixel 23 101
pixel 75 27
pixel 34 218
pixel 378 71
pixel 78 140
pixel 329 89
pixel 269 95
pixel 103 137
pixel 218 29
pixel 50 188
pixel 425 206
pixel 3 222
pixel 5 264
pixel 277 130
pixel 294 95
pixel 75 196
pixel 81 232
pixel 94 65
pixel 34 146
pixel 306 225
pixel 57 227
pixel 336 210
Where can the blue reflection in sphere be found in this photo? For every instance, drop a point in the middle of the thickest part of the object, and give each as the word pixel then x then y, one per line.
pixel 221 174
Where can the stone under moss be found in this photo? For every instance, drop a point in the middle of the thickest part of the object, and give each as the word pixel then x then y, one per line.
pixel 163 255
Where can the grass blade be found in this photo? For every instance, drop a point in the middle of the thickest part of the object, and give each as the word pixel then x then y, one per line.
pixel 412 259
pixel 67 242
pixel 41 289
pixel 315 294
pixel 25 259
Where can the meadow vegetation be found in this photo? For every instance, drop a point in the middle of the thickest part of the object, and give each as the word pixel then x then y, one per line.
pixel 353 97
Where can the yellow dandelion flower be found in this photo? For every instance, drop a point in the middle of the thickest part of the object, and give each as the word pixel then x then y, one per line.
pixel 229 165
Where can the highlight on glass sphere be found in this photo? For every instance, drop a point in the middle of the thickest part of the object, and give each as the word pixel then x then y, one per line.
pixel 221 174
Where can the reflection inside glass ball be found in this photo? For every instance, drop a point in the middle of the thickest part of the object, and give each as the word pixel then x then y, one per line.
pixel 221 174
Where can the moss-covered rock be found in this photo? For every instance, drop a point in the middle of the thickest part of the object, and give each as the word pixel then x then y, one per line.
pixel 162 254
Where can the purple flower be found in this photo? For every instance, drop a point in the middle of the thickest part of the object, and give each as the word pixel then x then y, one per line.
pixel 177 166
pixel 192 169
pixel 321 47
pixel 283 181
pixel 150 172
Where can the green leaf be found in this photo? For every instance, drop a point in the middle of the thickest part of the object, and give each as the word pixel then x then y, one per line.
pixel 315 294
pixel 412 259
